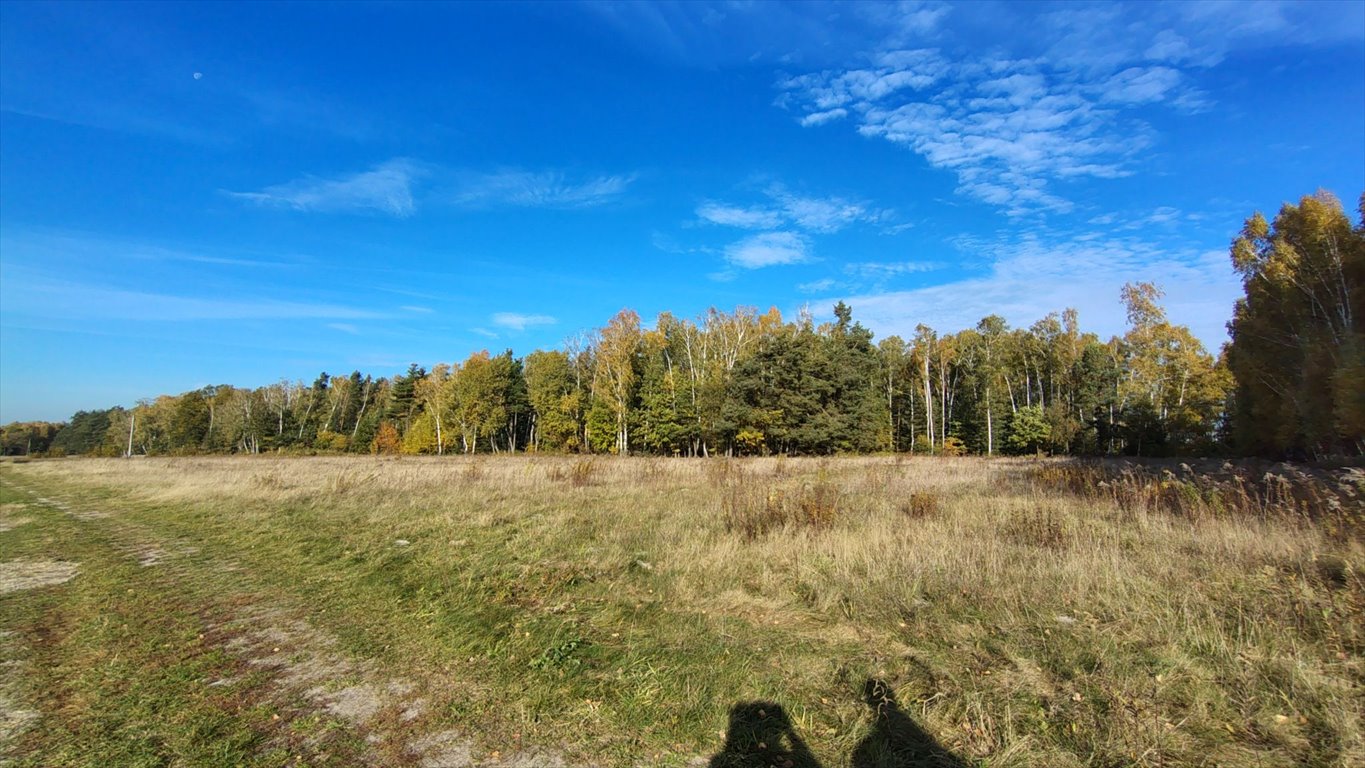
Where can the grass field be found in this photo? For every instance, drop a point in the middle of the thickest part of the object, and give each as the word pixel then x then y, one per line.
pixel 526 611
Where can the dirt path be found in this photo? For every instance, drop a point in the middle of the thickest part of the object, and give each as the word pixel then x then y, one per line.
pixel 303 662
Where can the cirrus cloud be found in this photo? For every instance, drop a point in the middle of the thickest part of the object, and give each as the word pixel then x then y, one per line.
pixel 517 321
pixel 385 188
pixel 545 189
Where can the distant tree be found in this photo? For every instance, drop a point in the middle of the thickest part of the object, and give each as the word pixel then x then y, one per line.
pixel 433 394
pixel 189 422
pixel 661 425
pixel 370 414
pixel 403 403
pixel 895 382
pixel 1028 429
pixel 386 440
pixel 1298 334
pixel 479 398
pixel 511 376
pixel 554 399
pixel 859 416
pixel 615 379
pixel 32 437
pixel 84 434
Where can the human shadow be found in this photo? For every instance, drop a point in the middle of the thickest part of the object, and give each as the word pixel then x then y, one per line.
pixel 896 741
pixel 761 736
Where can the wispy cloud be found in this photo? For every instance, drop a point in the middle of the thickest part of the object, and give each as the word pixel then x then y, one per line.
pixel 529 189
pixel 669 244
pixel 1017 125
pixel 46 297
pixel 416 309
pixel 47 247
pixel 1104 36
pixel 784 208
pixel 821 214
pixel 862 276
pixel 817 286
pixel 1032 275
pixel 738 216
pixel 820 118
pixel 768 249
pixel 1010 130
pixel 345 328
pixel 385 188
pixel 877 270
pixel 484 332
pixel 519 322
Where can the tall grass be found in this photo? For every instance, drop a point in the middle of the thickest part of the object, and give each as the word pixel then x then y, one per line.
pixel 1028 612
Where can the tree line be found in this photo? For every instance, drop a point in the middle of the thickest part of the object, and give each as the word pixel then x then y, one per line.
pixel 1291 382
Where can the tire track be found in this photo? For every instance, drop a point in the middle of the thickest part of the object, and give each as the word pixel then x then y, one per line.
pixel 303 661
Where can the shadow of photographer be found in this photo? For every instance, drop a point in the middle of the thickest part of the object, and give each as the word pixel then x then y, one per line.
pixel 761 735
pixel 896 741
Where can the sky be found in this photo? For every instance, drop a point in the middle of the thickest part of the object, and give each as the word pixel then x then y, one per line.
pixel 195 194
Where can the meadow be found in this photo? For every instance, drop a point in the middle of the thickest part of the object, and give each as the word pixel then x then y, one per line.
pixel 566 611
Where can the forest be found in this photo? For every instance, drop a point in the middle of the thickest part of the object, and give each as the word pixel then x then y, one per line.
pixel 744 382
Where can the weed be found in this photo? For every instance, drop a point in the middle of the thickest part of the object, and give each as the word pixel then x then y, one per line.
pixel 1037 526
pixel 755 509
pixel 579 473
pixel 563 656
pixel 1280 492
pixel 723 471
pixel 473 471
pixel 920 505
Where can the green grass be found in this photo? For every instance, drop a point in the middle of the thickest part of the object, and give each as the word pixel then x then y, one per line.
pixel 618 615
pixel 117 661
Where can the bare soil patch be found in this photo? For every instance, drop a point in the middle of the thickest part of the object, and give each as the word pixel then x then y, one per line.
pixel 16 575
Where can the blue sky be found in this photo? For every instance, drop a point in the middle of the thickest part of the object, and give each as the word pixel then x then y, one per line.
pixel 200 193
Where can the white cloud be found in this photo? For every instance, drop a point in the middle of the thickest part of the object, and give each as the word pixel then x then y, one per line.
pixel 736 216
pixel 520 322
pixel 528 189
pixel 1016 125
pixel 893 71
pixel 386 188
pixel 883 270
pixel 1030 277
pixel 484 332
pixel 1141 85
pixel 1010 138
pixel 768 249
pixel 1192 33
pixel 344 328
pixel 787 209
pixel 905 20
pixel 820 214
pixel 817 286
pixel 820 118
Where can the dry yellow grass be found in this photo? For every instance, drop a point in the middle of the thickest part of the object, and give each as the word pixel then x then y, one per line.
pixel 1022 625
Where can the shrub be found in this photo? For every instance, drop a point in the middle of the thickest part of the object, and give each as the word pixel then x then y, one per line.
pixel 386 442
pixel 953 446
pixel 750 441
pixel 1041 527
pixel 330 441
pixel 920 505
pixel 578 474
pixel 754 510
